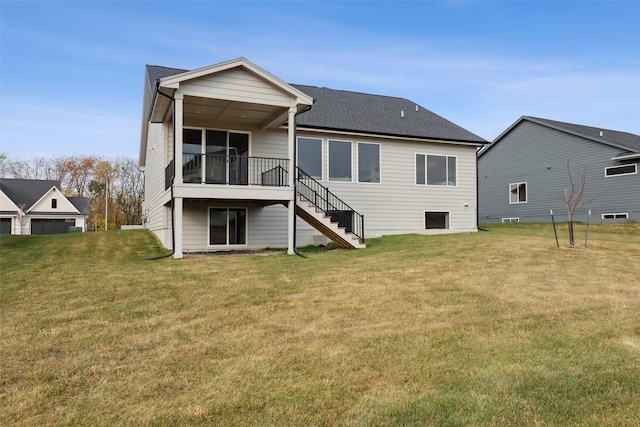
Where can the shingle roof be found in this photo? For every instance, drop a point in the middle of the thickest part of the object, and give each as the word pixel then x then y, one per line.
pixel 377 114
pixel 156 72
pixel 28 191
pixel 624 140
pixel 364 113
pixel 80 203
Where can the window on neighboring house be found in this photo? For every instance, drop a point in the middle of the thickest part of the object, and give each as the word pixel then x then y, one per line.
pixel 436 170
pixel 227 226
pixel 340 160
pixel 621 170
pixel 436 220
pixel 518 192
pixel 310 157
pixel 615 216
pixel 54 203
pixel 510 220
pixel 368 162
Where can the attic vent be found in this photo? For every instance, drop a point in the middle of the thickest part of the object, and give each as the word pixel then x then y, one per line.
pixel 417 107
pixel 601 133
pixel 402 113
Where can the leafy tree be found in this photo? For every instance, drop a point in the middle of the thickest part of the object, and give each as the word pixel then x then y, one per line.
pixel 87 176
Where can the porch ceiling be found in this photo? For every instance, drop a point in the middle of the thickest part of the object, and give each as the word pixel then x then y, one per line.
pixel 241 114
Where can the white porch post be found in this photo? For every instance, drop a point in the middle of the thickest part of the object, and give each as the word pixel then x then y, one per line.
pixel 177 138
pixel 177 201
pixel 292 173
pixel 177 227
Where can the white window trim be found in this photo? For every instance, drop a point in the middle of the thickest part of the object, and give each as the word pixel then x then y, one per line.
pixel 426 181
pixel 606 169
pixel 329 140
pixel 228 245
pixel 424 219
pixel 357 162
pixel 626 215
pixel 415 169
pixel 321 179
pixel 526 191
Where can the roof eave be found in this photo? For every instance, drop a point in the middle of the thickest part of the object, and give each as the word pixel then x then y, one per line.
pixel 629 156
pixel 389 135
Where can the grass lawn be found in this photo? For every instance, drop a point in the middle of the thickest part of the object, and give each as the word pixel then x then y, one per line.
pixel 496 328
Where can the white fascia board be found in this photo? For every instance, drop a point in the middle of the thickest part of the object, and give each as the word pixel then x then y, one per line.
pixel 173 82
pixel 629 156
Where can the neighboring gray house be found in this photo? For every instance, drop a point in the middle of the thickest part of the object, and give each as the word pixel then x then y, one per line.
pixel 221 146
pixel 523 173
pixel 31 206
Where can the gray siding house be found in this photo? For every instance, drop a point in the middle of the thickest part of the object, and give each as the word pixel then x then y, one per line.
pixel 235 158
pixel 523 173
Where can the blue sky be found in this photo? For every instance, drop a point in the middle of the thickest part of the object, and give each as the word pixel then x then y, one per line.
pixel 71 73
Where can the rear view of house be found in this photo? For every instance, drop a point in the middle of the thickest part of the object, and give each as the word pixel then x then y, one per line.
pixel 235 158
pixel 523 173
pixel 29 206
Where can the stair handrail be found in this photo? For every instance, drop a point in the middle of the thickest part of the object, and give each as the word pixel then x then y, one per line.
pixel 325 200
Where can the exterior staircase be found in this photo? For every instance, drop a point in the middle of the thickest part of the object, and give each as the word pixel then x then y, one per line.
pixel 324 211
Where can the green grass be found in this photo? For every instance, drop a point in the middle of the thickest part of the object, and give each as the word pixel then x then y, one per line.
pixel 483 329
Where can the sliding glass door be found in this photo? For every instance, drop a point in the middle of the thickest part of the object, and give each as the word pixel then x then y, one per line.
pixel 225 156
pixel 227 226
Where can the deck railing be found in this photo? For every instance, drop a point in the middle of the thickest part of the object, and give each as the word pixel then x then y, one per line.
pixel 233 170
pixel 330 204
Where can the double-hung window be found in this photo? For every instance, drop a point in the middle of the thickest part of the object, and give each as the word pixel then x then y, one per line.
pixel 518 192
pixel 310 157
pixel 340 160
pixel 436 170
pixel 368 162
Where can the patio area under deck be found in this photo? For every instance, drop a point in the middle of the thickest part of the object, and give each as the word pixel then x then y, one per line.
pixel 231 95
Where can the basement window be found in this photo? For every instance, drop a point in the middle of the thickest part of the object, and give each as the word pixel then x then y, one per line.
pixel 510 220
pixel 621 170
pixel 436 220
pixel 615 216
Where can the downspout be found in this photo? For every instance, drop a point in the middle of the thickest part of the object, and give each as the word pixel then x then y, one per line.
pixel 173 228
pixel 295 181
pixel 478 196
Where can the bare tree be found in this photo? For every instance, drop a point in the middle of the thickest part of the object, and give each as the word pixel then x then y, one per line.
pixel 575 196
pixel 21 216
pixel 129 191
